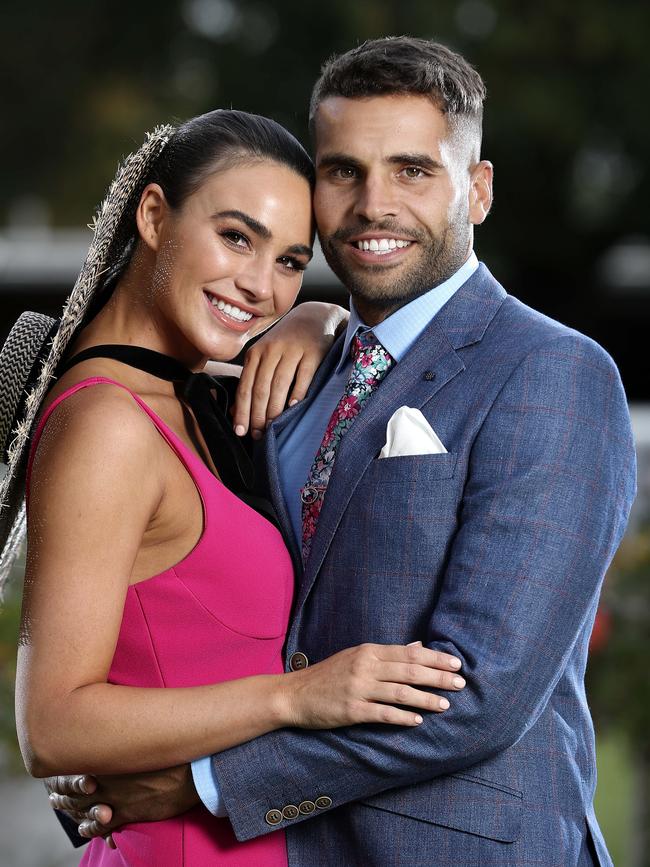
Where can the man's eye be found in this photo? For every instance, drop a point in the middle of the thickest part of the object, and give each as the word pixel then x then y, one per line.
pixel 344 172
pixel 235 237
pixel 413 172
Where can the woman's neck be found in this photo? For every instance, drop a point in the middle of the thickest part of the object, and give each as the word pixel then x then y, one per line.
pixel 131 317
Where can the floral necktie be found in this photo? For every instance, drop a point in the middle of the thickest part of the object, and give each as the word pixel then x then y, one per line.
pixel 370 363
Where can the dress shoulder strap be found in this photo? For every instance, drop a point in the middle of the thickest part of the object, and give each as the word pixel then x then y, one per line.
pixel 192 463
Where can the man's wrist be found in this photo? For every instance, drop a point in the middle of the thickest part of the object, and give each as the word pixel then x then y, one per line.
pixel 207 786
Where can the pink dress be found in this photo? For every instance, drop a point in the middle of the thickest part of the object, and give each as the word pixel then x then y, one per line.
pixel 219 614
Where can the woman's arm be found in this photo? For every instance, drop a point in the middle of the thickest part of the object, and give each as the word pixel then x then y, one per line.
pixel 283 363
pixel 98 481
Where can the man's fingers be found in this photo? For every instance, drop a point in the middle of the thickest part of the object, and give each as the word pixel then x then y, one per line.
pixel 101 813
pixel 110 842
pixel 81 784
pixel 98 822
pixel 71 803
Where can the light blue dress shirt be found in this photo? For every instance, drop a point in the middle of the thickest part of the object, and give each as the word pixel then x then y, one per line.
pixel 299 442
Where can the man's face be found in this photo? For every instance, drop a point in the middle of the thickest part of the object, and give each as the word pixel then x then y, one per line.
pixel 395 197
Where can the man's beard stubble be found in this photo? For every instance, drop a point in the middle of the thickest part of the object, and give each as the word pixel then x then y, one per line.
pixel 440 257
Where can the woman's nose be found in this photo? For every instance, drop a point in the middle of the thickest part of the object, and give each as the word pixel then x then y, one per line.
pixel 255 279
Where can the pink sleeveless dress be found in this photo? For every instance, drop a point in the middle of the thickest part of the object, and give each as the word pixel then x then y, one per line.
pixel 219 614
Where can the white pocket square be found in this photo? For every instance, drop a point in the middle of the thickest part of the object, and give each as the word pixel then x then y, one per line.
pixel 409 433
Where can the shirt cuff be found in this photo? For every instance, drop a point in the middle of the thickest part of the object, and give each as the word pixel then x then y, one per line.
pixel 207 787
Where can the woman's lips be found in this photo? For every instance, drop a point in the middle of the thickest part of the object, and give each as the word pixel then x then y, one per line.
pixel 222 311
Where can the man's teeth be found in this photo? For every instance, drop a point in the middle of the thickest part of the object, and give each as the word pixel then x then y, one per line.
pixel 381 246
pixel 230 309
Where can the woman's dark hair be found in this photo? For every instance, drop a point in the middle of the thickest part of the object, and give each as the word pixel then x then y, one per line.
pixel 216 141
pixel 219 140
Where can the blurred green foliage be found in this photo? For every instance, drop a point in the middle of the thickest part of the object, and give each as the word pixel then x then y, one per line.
pixel 565 123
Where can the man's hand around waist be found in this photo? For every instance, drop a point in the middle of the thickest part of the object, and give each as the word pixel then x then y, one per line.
pixel 103 804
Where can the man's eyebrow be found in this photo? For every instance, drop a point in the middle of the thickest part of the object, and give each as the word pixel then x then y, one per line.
pixel 423 160
pixel 338 159
pixel 253 224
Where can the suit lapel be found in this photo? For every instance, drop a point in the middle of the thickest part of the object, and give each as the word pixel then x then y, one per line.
pixel 290 416
pixel 428 366
pixel 414 380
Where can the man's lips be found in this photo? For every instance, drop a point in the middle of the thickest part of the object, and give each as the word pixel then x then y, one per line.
pixel 379 248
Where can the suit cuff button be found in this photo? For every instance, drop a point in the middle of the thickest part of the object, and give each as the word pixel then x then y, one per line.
pixel 298 661
pixel 307 807
pixel 323 802
pixel 273 817
pixel 290 812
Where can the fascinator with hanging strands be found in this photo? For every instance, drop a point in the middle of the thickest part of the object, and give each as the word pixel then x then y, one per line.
pixel 37 343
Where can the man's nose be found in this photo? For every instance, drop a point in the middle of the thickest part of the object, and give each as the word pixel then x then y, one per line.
pixel 376 200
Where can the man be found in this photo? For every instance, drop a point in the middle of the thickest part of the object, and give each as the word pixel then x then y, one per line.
pixel 486 534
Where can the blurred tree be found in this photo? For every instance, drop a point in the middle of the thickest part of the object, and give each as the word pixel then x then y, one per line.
pixel 565 124
pixel 617 677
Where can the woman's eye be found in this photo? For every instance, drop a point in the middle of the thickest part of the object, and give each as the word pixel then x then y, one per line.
pixel 235 238
pixel 291 264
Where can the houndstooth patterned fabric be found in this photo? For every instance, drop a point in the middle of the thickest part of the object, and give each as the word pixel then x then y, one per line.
pixel 109 233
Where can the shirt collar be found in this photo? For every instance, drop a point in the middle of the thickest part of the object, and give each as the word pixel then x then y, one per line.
pixel 399 331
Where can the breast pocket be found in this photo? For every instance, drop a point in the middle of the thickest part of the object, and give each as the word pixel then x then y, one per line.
pixel 407 469
pixel 403 515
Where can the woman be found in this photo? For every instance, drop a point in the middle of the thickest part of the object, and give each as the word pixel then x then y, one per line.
pixel 156 599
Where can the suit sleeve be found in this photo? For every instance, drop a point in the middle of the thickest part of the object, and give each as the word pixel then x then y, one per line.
pixel 550 481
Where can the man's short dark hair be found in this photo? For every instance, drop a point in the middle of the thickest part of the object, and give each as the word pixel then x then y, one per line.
pixel 404 65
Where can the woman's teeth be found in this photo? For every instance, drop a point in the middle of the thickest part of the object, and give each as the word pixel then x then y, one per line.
pixel 381 246
pixel 230 309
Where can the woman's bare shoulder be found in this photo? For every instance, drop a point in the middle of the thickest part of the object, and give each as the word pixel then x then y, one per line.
pixel 102 421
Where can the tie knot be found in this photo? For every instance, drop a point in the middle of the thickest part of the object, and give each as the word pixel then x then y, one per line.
pixel 362 342
pixel 367 351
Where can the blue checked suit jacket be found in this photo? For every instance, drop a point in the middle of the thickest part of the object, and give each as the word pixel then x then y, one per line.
pixel 494 552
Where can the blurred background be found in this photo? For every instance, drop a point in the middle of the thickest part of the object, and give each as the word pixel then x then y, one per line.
pixel 569 234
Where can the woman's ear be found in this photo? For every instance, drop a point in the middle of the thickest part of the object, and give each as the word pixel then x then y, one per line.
pixel 150 215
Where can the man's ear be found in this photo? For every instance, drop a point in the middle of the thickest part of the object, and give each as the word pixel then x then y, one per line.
pixel 150 215
pixel 480 191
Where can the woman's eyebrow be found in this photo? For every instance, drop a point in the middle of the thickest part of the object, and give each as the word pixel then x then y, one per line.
pixel 301 250
pixel 253 224
pixel 263 231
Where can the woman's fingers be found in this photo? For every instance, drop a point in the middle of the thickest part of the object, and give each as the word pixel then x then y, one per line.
pixel 400 693
pixel 264 387
pixel 242 407
pixel 386 713
pixel 414 653
pixel 419 675
pixel 285 372
pixel 304 375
